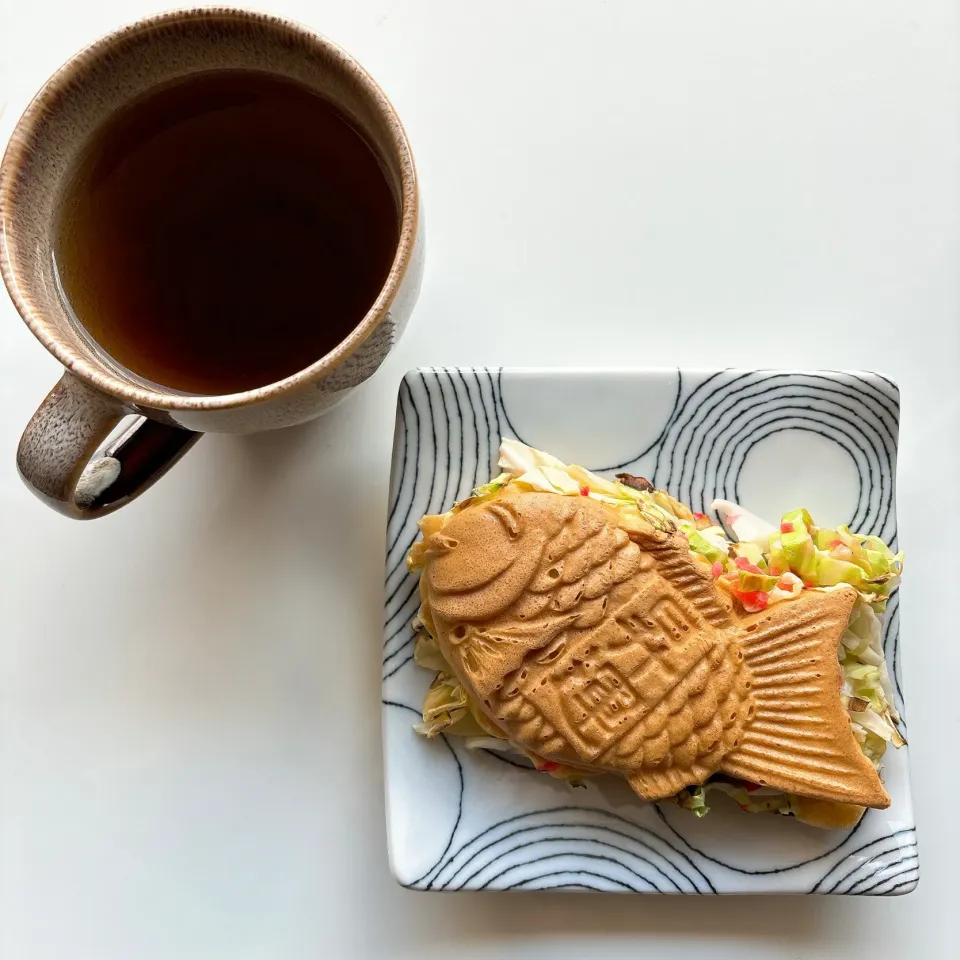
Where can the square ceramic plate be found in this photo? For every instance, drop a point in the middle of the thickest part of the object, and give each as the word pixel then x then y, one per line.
pixel 478 820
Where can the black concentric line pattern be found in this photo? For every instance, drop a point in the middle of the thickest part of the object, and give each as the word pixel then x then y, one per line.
pixel 867 868
pixel 451 422
pixel 656 444
pixel 722 420
pixel 402 706
pixel 450 425
pixel 477 863
pixel 528 884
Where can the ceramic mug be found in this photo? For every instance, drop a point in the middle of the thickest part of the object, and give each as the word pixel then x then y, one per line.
pixel 95 393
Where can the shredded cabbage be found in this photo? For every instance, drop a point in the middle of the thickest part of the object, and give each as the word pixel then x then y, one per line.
pixel 426 654
pixel 749 798
pixel 444 706
pixel 535 470
pixel 867 690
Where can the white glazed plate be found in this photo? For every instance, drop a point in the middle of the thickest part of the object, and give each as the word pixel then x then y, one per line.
pixel 772 441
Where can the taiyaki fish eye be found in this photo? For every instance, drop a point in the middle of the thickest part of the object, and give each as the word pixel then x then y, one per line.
pixel 484 549
pixel 508 517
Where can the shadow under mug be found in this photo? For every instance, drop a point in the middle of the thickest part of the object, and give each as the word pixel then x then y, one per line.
pixel 95 393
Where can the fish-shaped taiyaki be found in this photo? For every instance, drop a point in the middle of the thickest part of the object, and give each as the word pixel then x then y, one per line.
pixel 611 649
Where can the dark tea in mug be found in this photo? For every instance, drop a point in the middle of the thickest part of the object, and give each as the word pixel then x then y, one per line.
pixel 225 231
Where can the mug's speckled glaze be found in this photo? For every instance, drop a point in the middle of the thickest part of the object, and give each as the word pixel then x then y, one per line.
pixel 40 157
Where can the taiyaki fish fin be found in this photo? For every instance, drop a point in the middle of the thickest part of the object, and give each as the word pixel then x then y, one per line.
pixel 798 736
pixel 661 784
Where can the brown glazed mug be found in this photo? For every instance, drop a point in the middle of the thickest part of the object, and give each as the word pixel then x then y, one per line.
pixel 62 455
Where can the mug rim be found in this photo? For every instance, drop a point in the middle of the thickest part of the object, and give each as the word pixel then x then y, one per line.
pixel 143 396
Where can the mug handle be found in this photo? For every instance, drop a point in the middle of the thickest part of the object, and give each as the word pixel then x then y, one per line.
pixel 69 428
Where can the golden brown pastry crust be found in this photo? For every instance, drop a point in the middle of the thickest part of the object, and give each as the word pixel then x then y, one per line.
pixel 593 639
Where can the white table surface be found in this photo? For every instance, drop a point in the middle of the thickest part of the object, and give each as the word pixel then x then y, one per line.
pixel 190 761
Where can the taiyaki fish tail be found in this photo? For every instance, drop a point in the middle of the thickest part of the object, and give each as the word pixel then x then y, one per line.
pixel 797 736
